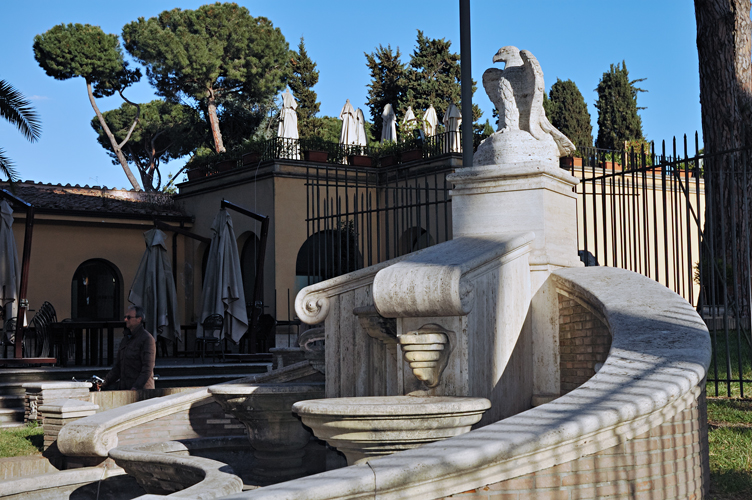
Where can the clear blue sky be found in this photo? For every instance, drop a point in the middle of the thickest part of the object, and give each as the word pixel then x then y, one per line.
pixel 574 39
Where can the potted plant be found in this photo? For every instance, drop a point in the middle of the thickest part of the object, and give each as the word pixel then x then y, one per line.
pixel 225 165
pixel 570 161
pixel 358 157
pixel 388 153
pixel 314 149
pixel 412 147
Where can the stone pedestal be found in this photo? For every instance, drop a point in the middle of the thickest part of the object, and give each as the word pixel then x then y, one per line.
pixel 60 412
pixel 39 392
pixel 535 196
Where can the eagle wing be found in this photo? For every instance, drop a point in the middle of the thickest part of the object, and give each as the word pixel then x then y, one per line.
pixel 500 91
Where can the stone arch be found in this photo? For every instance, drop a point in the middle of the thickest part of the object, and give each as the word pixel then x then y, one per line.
pixel 97 291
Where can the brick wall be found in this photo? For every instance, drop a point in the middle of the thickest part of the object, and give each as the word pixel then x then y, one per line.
pixel 666 462
pixel 203 419
pixel 583 341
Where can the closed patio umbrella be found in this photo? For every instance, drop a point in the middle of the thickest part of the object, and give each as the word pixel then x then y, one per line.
pixel 349 133
pixel 452 121
pixel 388 124
pixel 9 276
pixel 288 126
pixel 361 121
pixel 430 121
pixel 223 282
pixel 153 288
pixel 409 122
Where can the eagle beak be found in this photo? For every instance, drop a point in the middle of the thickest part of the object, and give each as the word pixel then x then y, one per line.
pixel 498 57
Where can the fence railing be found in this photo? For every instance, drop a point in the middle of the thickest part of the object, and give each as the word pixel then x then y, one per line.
pixel 316 150
pixel 357 217
pixel 684 220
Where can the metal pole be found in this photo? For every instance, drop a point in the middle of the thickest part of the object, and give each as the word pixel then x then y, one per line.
pixel 467 85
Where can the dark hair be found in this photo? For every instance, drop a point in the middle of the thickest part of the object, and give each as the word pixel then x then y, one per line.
pixel 139 311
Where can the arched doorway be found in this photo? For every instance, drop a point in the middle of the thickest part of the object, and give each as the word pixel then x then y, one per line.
pixel 97 291
pixel 414 239
pixel 327 254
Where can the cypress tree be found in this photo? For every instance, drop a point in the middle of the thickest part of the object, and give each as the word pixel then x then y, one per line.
pixel 618 120
pixel 304 77
pixel 388 83
pixel 567 111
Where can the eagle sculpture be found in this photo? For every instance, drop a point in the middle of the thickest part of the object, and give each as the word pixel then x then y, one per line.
pixel 517 92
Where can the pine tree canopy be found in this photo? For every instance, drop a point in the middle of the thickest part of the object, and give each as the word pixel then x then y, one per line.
pixel 567 111
pixel 304 76
pixel 214 53
pixel 618 120
pixel 73 50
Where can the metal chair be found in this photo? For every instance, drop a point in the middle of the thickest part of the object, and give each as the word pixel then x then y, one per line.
pixel 212 323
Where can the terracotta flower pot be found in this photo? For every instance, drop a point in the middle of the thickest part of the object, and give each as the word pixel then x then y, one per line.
pixel 610 165
pixel 317 156
pixel 412 155
pixel 251 158
pixel 360 160
pixel 388 161
pixel 196 173
pixel 568 161
pixel 226 165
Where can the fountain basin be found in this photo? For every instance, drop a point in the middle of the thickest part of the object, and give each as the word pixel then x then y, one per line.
pixel 277 436
pixel 369 427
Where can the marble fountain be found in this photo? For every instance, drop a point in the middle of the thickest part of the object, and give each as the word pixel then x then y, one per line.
pixel 466 368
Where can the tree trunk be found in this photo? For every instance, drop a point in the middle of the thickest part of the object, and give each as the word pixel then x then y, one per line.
pixel 113 142
pixel 724 50
pixel 219 146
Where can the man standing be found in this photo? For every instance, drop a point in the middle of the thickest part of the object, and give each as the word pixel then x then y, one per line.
pixel 134 366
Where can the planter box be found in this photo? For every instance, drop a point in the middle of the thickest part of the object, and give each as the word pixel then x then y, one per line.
pixel 317 156
pixel 568 161
pixel 226 165
pixel 251 158
pixel 610 165
pixel 412 155
pixel 196 173
pixel 360 160
pixel 388 161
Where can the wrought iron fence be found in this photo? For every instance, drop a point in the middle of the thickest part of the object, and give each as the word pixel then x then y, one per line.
pixel 357 217
pixel 316 150
pixel 683 220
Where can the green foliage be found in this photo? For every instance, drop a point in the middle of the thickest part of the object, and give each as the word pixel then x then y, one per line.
pixel 218 55
pixel 304 77
pixel 326 128
pixel 618 120
pixel 388 83
pixel 567 111
pixel 73 50
pixel 164 131
pixel 434 78
pixel 27 440
pixel 730 447
pixel 15 108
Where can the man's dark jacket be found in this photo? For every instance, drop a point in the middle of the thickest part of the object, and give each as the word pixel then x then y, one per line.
pixel 134 365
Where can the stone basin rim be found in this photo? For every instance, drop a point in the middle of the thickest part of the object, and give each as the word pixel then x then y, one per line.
pixel 266 389
pixel 391 406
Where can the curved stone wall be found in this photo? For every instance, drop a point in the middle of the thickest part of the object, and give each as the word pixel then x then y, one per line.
pixel 635 429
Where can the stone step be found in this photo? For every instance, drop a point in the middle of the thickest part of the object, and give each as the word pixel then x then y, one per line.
pixel 12 401
pixel 11 415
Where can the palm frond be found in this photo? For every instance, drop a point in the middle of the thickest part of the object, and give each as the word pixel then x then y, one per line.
pixel 6 167
pixel 18 110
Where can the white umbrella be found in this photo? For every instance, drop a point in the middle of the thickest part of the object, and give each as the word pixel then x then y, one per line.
pixel 153 288
pixel 409 122
pixel 288 118
pixel 452 121
pixel 288 126
pixel 223 281
pixel 9 276
pixel 388 124
pixel 349 133
pixel 430 120
pixel 361 128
